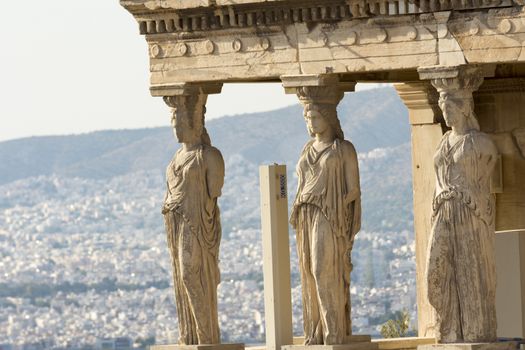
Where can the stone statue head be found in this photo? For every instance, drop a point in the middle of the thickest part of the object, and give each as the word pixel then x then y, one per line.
pixel 321 116
pixel 458 109
pixel 455 95
pixel 188 118
pixel 320 109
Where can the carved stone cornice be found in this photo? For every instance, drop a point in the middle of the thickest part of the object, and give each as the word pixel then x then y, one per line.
pixel 190 97
pixel 460 80
pixel 421 99
pixel 156 17
pixel 178 16
pixel 323 95
pixel 310 86
pixel 324 89
pixel 417 94
pixel 185 89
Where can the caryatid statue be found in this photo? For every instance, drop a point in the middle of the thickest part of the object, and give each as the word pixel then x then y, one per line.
pixel 326 215
pixel 195 177
pixel 461 271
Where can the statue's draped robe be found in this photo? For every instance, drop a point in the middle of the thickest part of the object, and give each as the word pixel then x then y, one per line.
pixel 326 224
pixel 461 265
pixel 193 231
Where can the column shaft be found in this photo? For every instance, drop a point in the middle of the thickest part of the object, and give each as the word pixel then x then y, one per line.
pixel 426 132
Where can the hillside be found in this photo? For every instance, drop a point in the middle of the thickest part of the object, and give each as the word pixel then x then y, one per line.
pixel 83 244
pixel 268 137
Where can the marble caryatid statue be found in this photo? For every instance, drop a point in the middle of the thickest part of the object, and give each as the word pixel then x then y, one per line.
pixel 195 178
pixel 461 264
pixel 326 215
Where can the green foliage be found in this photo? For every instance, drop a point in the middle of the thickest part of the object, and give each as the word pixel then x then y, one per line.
pixel 41 302
pixel 145 343
pixel 396 327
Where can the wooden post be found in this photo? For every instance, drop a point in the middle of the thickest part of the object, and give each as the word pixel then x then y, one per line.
pixel 276 256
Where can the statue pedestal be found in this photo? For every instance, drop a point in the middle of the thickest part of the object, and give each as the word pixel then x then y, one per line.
pixel 234 346
pixel 470 346
pixel 355 342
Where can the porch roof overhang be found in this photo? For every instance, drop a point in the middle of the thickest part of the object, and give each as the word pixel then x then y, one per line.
pixel 192 41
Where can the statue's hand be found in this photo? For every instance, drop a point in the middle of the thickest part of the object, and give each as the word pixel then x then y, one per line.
pixel 352 196
pixel 167 207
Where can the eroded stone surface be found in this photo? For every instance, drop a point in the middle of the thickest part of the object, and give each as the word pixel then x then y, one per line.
pixel 194 179
pixel 234 346
pixel 349 346
pixel 472 346
pixel 326 215
pixel 461 273
pixel 261 41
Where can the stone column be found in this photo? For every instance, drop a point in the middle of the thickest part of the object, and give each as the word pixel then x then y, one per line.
pixel 510 287
pixel 185 89
pixel 327 211
pixel 194 179
pixel 461 263
pixel 499 106
pixel 292 83
pixel 426 124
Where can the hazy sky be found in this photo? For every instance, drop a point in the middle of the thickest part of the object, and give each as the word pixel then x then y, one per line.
pixel 69 66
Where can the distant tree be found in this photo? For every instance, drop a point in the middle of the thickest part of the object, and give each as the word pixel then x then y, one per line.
pixel 145 343
pixel 396 327
pixel 41 302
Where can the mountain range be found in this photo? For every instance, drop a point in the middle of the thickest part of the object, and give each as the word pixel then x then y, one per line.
pixel 370 119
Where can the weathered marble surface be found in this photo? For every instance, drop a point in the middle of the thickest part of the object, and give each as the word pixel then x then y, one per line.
pixel 499 106
pixel 461 272
pixel 233 346
pixel 195 178
pixel 349 346
pixel 353 342
pixel 196 41
pixel 326 215
pixel 360 40
pixel 471 346
pixel 421 99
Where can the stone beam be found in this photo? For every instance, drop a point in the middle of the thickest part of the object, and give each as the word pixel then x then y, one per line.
pixel 263 40
pixel 427 128
pixel 182 89
pixel 292 82
pixel 464 77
